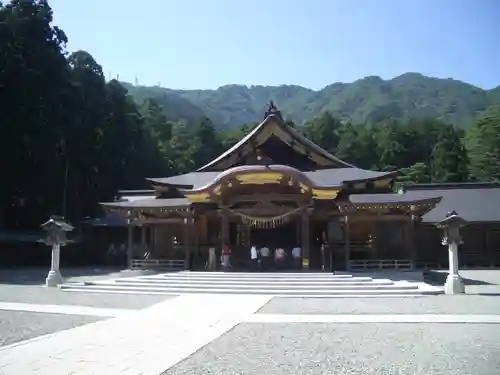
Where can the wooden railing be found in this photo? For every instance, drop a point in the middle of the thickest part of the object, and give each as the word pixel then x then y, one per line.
pixel 158 264
pixel 381 264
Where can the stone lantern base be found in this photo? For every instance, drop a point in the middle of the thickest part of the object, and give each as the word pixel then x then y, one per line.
pixel 454 285
pixel 53 279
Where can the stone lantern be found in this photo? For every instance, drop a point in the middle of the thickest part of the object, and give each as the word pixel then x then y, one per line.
pixel 56 236
pixel 451 225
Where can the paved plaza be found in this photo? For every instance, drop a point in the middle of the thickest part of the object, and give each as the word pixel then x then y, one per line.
pixel 48 331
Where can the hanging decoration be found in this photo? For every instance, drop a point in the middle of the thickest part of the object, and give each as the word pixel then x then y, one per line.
pixel 266 222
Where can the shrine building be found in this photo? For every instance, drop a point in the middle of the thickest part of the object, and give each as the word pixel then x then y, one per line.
pixel 276 188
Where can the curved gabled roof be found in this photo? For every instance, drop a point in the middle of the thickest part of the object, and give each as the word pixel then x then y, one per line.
pixel 322 177
pixel 275 120
pixel 244 169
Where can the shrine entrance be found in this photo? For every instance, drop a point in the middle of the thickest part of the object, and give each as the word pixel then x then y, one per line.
pixel 285 236
pixel 267 225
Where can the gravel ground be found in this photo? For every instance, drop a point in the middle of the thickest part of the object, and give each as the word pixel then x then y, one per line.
pixel 483 286
pixel 319 349
pixel 54 296
pixel 442 304
pixel 17 326
pixel 26 285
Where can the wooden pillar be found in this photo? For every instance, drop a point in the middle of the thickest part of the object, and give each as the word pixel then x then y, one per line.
pixel 347 244
pixel 130 244
pixel 298 234
pixel 224 230
pixel 143 236
pixel 375 230
pixel 188 228
pixel 306 240
pixel 410 241
pixel 195 249
pixel 196 229
pixel 154 239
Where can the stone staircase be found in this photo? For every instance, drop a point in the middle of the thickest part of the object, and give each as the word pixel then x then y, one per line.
pixel 275 284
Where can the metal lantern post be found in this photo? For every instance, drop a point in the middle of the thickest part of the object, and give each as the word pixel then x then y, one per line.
pixel 56 228
pixel 451 225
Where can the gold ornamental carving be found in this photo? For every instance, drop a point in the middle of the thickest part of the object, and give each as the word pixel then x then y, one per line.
pixel 325 194
pixel 303 188
pixel 382 183
pixel 259 178
pixel 217 190
pixel 199 197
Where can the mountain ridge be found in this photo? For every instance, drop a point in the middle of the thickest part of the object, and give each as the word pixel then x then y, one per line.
pixel 365 101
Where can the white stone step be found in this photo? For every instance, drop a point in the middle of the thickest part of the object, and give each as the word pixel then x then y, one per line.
pixel 256 275
pixel 259 273
pixel 407 293
pixel 279 293
pixel 252 286
pixel 249 279
pixel 222 281
pixel 275 284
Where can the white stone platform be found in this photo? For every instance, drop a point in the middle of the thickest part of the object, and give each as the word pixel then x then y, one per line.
pixel 283 284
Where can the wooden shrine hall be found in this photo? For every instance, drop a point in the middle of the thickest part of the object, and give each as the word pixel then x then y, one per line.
pixel 275 188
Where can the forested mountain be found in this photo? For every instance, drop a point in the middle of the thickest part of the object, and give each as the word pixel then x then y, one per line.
pixel 366 101
pixel 69 139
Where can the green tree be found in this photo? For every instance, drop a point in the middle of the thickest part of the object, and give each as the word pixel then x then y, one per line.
pixel 324 130
pixel 419 139
pixel 181 149
pixel 34 81
pixel 418 173
pixel 81 143
pixel 357 146
pixel 449 157
pixel 390 137
pixel 154 115
pixel 70 139
pixel 483 145
pixel 206 145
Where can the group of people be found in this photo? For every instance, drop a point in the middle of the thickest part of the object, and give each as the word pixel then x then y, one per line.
pixel 265 259
pixel 225 259
pixel 260 258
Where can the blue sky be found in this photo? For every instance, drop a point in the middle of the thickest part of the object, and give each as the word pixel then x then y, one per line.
pixel 209 43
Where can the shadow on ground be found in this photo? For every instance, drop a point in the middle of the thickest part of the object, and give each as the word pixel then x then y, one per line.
pixel 36 276
pixel 481 282
pixel 476 282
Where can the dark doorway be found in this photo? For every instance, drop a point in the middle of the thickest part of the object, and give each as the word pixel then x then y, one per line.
pixel 285 236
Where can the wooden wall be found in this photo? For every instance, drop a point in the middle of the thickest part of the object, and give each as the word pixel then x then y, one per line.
pixel 481 247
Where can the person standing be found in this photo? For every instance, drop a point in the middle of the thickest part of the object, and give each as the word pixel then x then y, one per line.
pixel 211 259
pixel 297 259
pixel 254 257
pixel 279 258
pixel 226 257
pixel 265 256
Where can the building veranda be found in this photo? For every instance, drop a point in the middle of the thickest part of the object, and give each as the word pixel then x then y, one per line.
pixel 276 188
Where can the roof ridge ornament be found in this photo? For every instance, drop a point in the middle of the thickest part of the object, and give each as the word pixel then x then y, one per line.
pixel 273 110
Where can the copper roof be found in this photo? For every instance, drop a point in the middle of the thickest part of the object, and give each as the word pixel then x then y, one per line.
pixel 323 177
pixel 475 202
pixel 150 203
pixel 297 136
pixel 393 198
